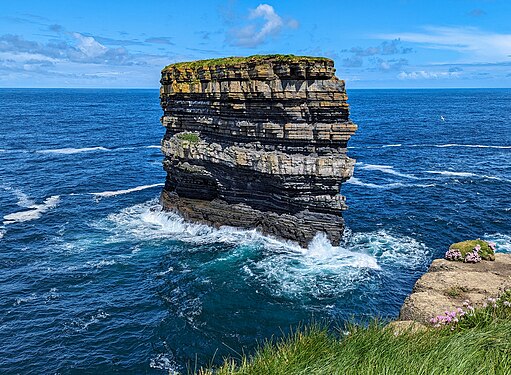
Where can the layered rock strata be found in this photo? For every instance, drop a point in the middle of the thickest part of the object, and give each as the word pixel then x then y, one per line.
pixel 257 142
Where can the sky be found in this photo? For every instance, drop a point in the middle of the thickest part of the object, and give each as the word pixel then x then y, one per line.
pixel 375 44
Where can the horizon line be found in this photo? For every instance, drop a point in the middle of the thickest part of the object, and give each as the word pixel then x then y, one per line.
pixel 352 88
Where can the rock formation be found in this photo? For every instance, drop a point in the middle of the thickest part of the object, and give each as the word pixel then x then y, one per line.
pixel 447 284
pixel 257 142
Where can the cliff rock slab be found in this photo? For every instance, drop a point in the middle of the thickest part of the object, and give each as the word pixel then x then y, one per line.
pixel 257 142
pixel 448 284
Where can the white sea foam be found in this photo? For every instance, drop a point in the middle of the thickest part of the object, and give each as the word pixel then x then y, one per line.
pixel 387 169
pixel 73 150
pixel 153 146
pixel 282 267
pixel 125 191
pixel 468 174
pixel 503 241
pixel 473 146
pixel 454 174
pixel 2 233
pixel 81 325
pixel 395 145
pixel 164 361
pixel 100 264
pixel 392 185
pixel 35 211
pixel 23 199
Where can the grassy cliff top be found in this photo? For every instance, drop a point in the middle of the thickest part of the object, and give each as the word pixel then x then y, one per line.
pixel 234 60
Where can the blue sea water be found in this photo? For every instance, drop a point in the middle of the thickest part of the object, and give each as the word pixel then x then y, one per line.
pixel 95 278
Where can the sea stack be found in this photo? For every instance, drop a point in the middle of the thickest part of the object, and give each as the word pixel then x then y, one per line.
pixel 257 142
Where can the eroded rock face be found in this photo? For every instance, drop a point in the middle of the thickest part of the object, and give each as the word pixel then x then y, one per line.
pixel 257 143
pixel 448 284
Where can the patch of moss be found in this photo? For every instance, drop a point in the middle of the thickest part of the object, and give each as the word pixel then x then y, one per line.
pixel 234 60
pixel 190 137
pixel 466 247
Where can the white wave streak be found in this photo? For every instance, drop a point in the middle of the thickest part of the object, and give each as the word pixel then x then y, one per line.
pixel 153 146
pixel 396 145
pixel 473 146
pixel 35 211
pixel 387 169
pixel 282 267
pixel 393 185
pixel 125 191
pixel 454 174
pixel 68 151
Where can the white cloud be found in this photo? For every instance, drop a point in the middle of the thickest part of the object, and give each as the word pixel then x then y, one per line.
pixel 253 35
pixel 475 45
pixel 423 74
pixel 89 46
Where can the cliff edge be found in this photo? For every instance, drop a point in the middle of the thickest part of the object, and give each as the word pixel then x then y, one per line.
pixel 257 142
pixel 449 284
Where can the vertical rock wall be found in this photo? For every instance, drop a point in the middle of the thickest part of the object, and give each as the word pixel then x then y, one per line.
pixel 257 142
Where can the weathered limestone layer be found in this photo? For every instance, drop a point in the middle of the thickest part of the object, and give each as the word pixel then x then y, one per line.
pixel 257 142
pixel 447 284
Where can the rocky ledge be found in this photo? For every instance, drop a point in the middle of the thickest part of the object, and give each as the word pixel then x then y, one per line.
pixel 449 284
pixel 257 142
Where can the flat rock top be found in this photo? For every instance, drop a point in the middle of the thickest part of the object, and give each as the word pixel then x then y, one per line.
pixel 254 59
pixel 447 284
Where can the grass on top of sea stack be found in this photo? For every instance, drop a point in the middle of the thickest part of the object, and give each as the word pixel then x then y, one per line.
pixel 480 345
pixel 235 60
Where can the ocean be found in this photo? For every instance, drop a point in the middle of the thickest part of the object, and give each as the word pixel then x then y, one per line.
pixel 95 278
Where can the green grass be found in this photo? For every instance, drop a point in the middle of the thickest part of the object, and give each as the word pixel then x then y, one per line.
pixel 190 137
pixel 478 344
pixel 466 247
pixel 234 60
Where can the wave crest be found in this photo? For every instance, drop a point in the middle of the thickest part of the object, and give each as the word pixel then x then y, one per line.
pixel 35 211
pixel 69 151
pixel 125 191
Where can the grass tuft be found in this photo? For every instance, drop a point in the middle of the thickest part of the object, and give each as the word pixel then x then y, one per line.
pixel 466 247
pixel 190 137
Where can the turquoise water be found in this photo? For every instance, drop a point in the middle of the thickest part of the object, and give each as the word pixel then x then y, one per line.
pixel 95 278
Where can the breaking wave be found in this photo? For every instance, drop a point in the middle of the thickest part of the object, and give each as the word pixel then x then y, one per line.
pixel 125 191
pixel 68 151
pixel 503 241
pixel 35 211
pixel 386 169
pixel 392 185
pixel 282 267
pixel 454 174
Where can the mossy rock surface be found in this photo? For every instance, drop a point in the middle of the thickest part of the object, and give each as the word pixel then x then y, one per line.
pixel 466 247
pixel 235 60
pixel 190 137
